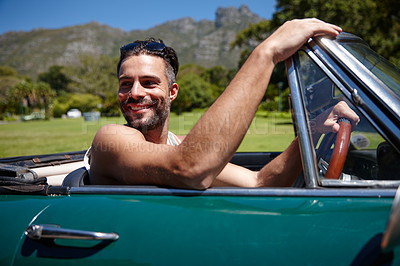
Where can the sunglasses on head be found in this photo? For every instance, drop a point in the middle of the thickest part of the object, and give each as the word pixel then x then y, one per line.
pixel 151 46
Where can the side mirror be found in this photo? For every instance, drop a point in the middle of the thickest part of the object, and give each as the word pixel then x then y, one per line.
pixel 391 237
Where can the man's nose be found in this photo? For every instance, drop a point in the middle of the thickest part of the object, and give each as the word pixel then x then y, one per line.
pixel 137 91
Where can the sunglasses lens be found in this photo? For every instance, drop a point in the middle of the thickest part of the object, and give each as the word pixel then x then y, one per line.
pixel 155 46
pixel 129 46
pixel 152 46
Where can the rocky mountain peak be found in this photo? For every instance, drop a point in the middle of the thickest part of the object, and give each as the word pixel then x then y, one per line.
pixel 228 16
pixel 204 42
pixel 183 25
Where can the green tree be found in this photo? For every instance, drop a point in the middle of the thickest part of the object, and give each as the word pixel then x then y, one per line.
pixel 6 71
pixel 376 21
pixel 110 106
pixel 27 96
pixel 190 68
pixel 56 78
pixel 94 75
pixel 200 86
pixel 44 94
pixel 218 76
pixel 20 97
pixel 85 102
pixel 194 92
pixel 8 79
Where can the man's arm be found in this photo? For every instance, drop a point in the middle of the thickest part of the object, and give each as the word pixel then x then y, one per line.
pixel 280 172
pixel 122 154
pixel 285 168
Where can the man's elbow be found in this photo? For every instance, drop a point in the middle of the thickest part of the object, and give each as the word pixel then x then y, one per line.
pixel 198 183
pixel 192 179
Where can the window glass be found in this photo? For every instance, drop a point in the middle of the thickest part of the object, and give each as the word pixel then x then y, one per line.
pixel 383 69
pixel 370 156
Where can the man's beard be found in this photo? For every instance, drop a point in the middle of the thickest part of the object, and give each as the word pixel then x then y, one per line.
pixel 161 111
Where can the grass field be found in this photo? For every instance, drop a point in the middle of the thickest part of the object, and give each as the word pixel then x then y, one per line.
pixel 272 133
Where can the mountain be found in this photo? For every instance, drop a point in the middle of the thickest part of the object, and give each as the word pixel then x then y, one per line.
pixel 202 42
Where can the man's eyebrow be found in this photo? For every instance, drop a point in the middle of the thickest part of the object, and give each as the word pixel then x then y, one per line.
pixel 151 77
pixel 122 77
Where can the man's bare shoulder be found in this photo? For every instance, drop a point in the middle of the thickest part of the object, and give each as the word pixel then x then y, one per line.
pixel 111 143
pixel 115 133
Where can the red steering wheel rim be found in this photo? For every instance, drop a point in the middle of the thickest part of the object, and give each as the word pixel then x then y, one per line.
pixel 340 151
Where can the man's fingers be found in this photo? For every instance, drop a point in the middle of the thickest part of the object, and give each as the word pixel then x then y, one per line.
pixel 320 27
pixel 341 109
pixel 288 38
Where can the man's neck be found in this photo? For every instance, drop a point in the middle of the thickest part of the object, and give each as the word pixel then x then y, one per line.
pixel 158 135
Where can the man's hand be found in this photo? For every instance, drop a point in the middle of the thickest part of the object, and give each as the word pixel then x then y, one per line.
pixel 288 38
pixel 327 121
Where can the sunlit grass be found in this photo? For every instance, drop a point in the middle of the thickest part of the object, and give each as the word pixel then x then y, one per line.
pixel 273 133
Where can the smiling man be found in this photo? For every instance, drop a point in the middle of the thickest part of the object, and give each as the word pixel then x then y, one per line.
pixel 144 152
pixel 147 85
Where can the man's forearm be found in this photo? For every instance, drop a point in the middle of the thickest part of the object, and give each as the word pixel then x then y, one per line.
pixel 284 169
pixel 218 134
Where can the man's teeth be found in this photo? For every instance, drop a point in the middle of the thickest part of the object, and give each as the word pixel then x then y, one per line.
pixel 137 108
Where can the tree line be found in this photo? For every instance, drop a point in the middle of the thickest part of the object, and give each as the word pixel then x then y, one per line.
pixel 93 85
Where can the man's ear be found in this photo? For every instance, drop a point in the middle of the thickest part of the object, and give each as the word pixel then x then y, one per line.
pixel 173 92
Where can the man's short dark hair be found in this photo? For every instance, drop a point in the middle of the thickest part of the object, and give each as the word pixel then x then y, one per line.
pixel 167 53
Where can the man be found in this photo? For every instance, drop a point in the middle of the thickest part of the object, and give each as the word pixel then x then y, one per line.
pixel 138 153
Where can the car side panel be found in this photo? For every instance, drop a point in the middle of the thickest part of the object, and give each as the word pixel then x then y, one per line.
pixel 17 212
pixel 208 230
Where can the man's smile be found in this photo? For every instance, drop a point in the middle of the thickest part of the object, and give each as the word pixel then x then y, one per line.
pixel 139 107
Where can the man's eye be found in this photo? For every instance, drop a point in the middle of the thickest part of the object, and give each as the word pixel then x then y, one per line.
pixel 148 83
pixel 125 84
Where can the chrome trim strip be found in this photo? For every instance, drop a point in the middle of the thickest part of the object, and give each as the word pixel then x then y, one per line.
pixel 306 147
pixel 315 55
pixel 362 73
pixel 239 192
pixel 360 183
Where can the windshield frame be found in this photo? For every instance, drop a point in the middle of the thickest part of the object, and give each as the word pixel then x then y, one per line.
pixel 357 92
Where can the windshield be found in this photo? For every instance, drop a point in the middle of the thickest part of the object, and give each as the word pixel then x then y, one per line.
pixel 379 66
pixel 370 156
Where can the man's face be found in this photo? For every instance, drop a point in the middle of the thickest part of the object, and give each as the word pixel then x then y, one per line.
pixel 143 93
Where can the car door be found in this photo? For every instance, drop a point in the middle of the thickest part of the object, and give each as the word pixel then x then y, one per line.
pixel 218 226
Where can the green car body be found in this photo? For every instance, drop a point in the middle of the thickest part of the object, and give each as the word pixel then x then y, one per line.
pixel 196 230
pixel 318 221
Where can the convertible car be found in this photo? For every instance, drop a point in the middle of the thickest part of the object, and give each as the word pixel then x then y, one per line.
pixel 342 210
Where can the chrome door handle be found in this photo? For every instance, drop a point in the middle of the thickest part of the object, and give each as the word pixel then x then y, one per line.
pixel 39 231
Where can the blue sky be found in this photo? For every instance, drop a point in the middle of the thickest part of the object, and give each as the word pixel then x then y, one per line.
pixel 25 15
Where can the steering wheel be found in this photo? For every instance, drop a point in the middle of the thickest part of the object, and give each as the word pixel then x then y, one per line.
pixel 340 150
